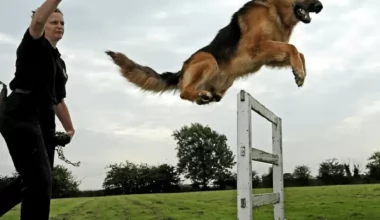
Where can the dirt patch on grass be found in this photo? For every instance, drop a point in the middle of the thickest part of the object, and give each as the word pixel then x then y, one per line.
pixel 68 215
pixel 152 209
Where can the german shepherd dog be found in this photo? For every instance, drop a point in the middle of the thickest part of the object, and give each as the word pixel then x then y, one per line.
pixel 257 36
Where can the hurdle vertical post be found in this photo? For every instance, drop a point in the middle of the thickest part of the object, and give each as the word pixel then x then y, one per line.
pixel 246 201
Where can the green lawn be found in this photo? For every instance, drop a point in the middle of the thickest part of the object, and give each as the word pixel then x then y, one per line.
pixel 313 203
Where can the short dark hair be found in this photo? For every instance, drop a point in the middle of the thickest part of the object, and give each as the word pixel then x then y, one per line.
pixel 56 10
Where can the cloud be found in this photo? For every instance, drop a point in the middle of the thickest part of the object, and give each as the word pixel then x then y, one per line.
pixel 334 115
pixel 5 39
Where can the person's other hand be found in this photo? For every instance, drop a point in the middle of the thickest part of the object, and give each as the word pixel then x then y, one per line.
pixel 70 133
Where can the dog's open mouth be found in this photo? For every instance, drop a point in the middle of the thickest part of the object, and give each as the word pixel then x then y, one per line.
pixel 302 14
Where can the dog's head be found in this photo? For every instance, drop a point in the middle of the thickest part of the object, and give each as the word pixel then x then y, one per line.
pixel 303 8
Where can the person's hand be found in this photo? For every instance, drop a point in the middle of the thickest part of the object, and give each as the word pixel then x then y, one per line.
pixel 70 133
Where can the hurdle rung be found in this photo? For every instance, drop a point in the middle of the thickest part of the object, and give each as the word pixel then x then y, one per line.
pixel 259 108
pixel 262 156
pixel 265 199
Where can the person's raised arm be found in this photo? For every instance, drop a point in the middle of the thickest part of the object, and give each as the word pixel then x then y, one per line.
pixel 41 16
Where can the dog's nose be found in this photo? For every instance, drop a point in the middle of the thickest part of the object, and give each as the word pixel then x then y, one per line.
pixel 318 7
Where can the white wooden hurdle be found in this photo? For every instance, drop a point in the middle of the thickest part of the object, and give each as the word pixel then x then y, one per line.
pixel 246 201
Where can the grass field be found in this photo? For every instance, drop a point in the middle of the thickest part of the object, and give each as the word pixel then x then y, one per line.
pixel 359 202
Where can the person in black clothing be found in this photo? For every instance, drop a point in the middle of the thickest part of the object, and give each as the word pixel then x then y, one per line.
pixel 27 116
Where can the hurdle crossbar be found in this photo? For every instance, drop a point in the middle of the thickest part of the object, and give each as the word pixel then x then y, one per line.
pixel 246 201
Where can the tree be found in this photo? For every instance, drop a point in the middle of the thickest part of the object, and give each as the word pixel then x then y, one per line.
pixel 127 178
pixel 256 181
pixel 332 172
pixel 121 178
pixel 203 154
pixel 230 180
pixel 226 179
pixel 5 180
pixel 356 171
pixel 288 179
pixel 267 178
pixel 64 183
pixel 166 178
pixel 347 170
pixel 373 166
pixel 302 175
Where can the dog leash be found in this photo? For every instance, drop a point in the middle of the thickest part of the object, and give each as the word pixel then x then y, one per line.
pixel 61 140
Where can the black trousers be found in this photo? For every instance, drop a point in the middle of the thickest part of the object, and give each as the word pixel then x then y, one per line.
pixel 28 130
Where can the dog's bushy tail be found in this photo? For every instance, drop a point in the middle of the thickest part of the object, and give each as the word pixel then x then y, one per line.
pixel 144 77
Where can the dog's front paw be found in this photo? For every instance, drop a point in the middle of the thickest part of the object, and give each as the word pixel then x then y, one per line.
pixel 204 97
pixel 299 76
pixel 217 97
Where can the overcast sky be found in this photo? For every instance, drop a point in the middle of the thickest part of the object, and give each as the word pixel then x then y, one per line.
pixel 335 114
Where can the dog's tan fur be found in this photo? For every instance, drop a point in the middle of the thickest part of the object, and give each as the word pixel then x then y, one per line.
pixel 266 27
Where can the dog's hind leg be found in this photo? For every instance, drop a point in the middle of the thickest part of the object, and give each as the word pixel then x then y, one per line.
pixel 197 73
